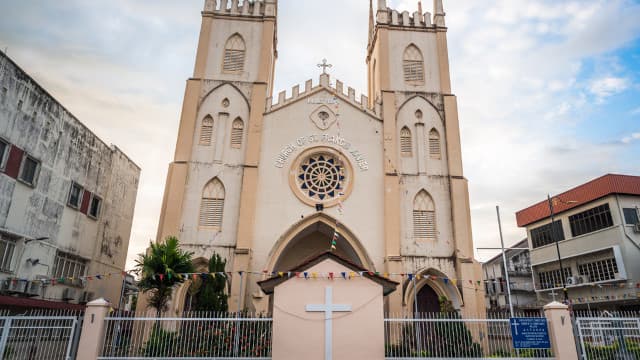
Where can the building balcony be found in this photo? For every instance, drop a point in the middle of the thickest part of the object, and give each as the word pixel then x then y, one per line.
pixel 522 288
pixel 526 272
pixel 578 245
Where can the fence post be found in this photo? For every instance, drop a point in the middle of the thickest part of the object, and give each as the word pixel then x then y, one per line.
pixel 6 329
pixel 561 331
pixel 93 328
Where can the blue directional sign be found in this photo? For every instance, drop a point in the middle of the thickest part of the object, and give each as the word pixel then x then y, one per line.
pixel 530 333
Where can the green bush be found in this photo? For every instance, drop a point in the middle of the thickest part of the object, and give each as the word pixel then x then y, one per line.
pixel 160 343
pixel 602 352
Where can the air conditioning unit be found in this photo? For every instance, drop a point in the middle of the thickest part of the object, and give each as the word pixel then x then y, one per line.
pixel 572 280
pixel 34 288
pixel 14 286
pixel 583 279
pixel 636 227
pixel 69 294
pixel 86 297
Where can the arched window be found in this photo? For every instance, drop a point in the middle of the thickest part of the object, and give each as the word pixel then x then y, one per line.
pixel 413 64
pixel 234 52
pixel 206 131
pixel 424 217
pixel 212 205
pixel 435 150
pixel 406 146
pixel 237 130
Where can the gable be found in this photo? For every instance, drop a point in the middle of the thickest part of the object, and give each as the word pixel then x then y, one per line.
pixel 338 263
pixel 323 93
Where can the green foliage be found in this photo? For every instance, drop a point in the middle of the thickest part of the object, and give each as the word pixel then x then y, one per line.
pixel 228 339
pixel 161 342
pixel 159 270
pixel 522 353
pixel 614 350
pixel 437 339
pixel 211 294
pixel 602 352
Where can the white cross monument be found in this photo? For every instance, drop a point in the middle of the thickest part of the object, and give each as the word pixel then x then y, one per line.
pixel 328 308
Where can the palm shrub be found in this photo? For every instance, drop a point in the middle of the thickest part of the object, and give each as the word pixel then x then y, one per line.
pixel 159 270
pixel 211 295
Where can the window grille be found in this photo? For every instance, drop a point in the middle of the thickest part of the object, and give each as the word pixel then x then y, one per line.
pixel 591 220
pixel 237 130
pixel 599 270
pixel 234 54
pixel 424 217
pixel 406 146
pixel 630 216
pixel 552 279
pixel 424 226
pixel 7 248
pixel 75 195
pixel 435 150
pixel 212 205
pixel 413 64
pixel 206 131
pixel 543 235
pixel 69 266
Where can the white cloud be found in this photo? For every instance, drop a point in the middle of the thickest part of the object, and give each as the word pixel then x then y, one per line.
pixel 629 139
pixel 635 111
pixel 607 86
pixel 515 64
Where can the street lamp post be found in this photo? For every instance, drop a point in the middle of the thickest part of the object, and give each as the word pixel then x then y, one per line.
pixel 554 238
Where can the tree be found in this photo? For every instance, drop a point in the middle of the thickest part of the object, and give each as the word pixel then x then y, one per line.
pixel 451 338
pixel 159 270
pixel 211 295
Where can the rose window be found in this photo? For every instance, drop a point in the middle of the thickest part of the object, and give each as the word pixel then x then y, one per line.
pixel 321 175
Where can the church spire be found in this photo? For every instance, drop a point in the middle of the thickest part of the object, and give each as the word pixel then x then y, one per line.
pixel 371 21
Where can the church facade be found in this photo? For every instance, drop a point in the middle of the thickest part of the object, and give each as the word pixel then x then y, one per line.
pixel 268 181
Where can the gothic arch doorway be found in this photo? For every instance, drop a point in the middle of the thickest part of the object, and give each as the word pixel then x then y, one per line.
pixel 312 236
pixel 428 300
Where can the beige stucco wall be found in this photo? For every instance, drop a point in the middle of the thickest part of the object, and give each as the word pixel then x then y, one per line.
pixel 298 334
pixel 279 208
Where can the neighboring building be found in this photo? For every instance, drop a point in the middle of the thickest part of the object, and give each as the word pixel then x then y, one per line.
pixel 66 198
pixel 519 269
pixel 598 233
pixel 268 184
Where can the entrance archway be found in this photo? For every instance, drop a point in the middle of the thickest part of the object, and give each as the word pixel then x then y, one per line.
pixel 428 300
pixel 312 236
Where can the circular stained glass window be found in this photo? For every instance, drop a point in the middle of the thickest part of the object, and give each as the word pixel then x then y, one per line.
pixel 321 177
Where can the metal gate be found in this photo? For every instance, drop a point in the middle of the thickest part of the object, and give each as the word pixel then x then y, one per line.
pixel 198 335
pixel 39 337
pixel 449 336
pixel 609 337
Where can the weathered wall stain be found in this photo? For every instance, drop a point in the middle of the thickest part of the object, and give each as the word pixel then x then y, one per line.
pixel 68 152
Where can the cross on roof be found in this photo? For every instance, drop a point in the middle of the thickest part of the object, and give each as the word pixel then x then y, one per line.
pixel 324 65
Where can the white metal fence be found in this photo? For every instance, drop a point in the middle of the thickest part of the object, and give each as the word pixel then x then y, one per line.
pixel 608 336
pixel 447 335
pixel 195 335
pixel 47 335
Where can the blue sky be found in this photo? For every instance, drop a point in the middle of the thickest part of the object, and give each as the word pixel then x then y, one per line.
pixel 548 90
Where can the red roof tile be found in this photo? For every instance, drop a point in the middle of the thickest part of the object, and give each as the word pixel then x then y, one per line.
pixel 28 303
pixel 580 195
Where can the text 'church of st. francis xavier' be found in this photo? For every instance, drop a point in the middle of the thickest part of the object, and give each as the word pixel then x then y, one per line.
pixel 267 182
